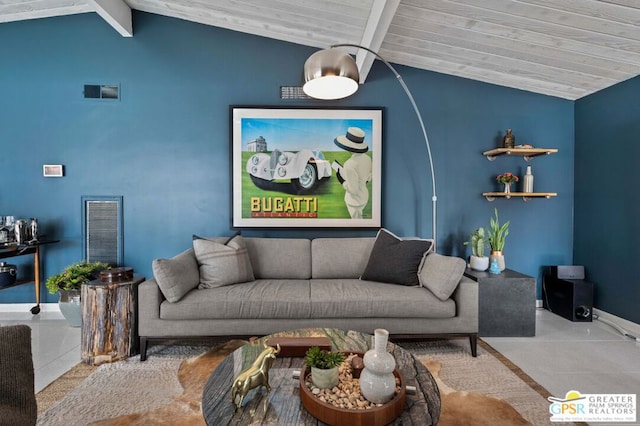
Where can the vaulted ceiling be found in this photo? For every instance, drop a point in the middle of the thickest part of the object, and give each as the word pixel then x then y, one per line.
pixel 563 48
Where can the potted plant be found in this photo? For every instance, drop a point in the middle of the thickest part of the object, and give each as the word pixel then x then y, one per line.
pixel 324 366
pixel 497 235
pixel 507 179
pixel 478 261
pixel 68 284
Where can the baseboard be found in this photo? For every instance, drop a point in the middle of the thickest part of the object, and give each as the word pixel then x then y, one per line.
pixel 629 326
pixel 26 307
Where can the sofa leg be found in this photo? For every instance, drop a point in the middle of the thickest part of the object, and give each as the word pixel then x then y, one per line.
pixel 143 349
pixel 473 341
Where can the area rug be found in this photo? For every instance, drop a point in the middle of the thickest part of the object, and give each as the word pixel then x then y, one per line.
pixel 166 389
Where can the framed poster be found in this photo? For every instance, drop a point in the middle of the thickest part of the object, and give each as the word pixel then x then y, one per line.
pixel 296 167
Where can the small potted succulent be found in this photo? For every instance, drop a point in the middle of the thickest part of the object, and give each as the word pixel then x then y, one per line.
pixel 324 366
pixel 478 261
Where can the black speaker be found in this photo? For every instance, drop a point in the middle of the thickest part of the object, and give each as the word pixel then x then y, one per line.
pixel 569 298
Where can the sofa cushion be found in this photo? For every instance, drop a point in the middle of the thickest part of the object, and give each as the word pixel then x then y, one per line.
pixel 441 274
pixel 222 264
pixel 260 299
pixel 340 257
pixel 353 298
pixel 394 260
pixel 177 276
pixel 280 258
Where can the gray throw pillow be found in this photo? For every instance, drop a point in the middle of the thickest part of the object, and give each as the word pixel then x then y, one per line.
pixel 177 276
pixel 441 274
pixel 223 264
pixel 394 260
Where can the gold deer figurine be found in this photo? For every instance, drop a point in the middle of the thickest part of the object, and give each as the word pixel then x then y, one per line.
pixel 254 376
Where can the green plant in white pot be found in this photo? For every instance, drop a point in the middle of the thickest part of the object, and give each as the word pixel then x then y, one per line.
pixel 68 284
pixel 324 366
pixel 478 261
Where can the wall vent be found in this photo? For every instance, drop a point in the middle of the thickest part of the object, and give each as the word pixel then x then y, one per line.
pixel 293 92
pixel 102 234
pixel 101 91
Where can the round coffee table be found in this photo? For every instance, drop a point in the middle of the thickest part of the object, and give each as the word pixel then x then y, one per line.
pixel 282 405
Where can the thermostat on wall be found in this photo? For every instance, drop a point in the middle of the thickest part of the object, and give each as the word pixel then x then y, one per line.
pixel 52 170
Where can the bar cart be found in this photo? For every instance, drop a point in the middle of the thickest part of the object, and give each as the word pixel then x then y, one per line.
pixel 12 249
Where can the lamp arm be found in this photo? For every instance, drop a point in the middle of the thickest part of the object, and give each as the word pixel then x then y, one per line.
pixel 434 197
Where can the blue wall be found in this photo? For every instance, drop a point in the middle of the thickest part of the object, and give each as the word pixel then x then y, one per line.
pixel 607 206
pixel 165 145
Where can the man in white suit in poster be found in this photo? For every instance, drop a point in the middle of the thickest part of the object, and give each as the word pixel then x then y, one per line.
pixel 356 172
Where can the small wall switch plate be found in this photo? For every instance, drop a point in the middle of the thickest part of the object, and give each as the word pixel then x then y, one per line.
pixel 52 170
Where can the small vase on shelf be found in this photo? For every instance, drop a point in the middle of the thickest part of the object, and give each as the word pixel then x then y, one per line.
pixel 507 188
pixel 498 256
pixel 377 382
pixel 527 183
pixel 509 140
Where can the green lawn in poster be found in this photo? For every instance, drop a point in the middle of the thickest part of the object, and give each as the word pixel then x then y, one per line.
pixel 330 194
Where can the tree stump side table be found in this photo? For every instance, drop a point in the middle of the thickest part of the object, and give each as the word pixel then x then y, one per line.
pixel 109 320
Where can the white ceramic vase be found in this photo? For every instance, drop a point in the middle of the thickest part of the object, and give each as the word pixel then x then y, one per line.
pixel 377 382
pixel 479 263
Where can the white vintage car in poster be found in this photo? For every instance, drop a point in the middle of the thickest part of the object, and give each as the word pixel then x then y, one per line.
pixel 304 170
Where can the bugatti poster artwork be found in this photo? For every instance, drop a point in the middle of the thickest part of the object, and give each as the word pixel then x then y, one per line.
pixel 306 167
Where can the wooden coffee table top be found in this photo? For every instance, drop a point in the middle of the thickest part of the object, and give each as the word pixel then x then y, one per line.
pixel 282 405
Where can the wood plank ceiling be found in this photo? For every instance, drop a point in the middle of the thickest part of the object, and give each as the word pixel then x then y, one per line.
pixel 563 48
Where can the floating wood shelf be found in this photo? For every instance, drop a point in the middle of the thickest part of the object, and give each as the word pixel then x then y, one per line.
pixel 526 196
pixel 527 153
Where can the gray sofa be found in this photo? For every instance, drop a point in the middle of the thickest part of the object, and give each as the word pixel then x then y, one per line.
pixel 299 283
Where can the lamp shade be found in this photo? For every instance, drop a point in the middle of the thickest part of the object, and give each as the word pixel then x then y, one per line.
pixel 330 74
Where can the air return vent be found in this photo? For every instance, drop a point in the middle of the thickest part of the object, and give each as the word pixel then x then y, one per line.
pixel 293 92
pixel 101 91
pixel 102 235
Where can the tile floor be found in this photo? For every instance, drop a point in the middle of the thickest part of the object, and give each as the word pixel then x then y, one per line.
pixel 587 357
pixel 55 346
pixel 590 357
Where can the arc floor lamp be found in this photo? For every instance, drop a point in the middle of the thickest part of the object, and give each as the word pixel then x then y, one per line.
pixel 333 74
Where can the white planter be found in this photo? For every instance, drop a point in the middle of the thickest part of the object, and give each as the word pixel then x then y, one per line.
pixel 324 378
pixel 479 263
pixel 69 303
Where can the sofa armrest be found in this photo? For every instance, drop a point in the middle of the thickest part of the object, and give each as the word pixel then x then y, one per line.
pixel 466 298
pixel 149 299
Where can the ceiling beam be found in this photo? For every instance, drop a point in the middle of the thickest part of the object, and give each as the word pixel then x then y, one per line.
pixel 117 14
pixel 382 12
